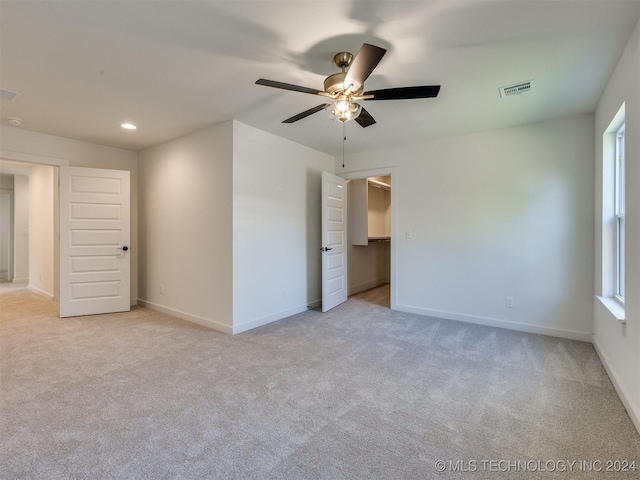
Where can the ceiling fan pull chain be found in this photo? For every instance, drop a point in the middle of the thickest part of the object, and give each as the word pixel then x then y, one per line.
pixel 344 139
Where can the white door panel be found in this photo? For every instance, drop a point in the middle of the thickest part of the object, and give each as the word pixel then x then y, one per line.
pixel 334 251
pixel 94 229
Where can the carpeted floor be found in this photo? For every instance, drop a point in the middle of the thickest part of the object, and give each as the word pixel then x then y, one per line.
pixel 360 392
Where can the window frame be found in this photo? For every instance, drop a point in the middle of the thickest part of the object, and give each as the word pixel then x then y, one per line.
pixel 619 213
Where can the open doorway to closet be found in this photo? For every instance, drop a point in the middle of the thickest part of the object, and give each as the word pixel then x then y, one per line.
pixel 370 239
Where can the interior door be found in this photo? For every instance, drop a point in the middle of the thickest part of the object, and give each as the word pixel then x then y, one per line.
pixel 334 251
pixel 94 241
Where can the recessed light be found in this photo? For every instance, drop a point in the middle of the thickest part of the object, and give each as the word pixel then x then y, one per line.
pixel 128 126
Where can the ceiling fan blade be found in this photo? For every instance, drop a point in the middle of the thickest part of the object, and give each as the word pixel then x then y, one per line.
pixel 365 61
pixel 306 113
pixel 365 119
pixel 287 86
pixel 404 93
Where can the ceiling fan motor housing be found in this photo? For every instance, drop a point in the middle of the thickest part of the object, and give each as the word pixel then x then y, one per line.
pixel 334 83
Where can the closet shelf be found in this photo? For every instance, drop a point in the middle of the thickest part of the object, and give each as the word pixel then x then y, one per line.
pixel 383 238
pixel 377 183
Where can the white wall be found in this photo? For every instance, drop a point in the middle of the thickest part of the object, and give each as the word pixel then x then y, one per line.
pixel 21 228
pixel 276 226
pixel 368 266
pixel 504 213
pixel 185 191
pixel 619 344
pixel 42 180
pixel 6 181
pixel 230 227
pixel 379 211
pixel 82 154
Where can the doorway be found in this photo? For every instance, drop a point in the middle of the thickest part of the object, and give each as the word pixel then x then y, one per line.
pixel 5 236
pixel 91 213
pixel 32 218
pixel 371 245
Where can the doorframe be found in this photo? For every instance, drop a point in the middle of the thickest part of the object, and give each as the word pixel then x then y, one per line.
pixel 55 163
pixel 31 158
pixel 379 172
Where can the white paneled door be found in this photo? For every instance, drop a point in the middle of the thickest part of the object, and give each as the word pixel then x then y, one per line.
pixel 94 241
pixel 334 248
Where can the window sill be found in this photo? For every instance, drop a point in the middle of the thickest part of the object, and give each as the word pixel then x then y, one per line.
pixel 614 307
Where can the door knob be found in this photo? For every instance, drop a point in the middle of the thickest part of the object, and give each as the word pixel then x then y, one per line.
pixel 325 249
pixel 125 248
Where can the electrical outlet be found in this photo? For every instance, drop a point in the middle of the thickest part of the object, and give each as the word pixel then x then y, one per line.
pixel 161 290
pixel 409 234
pixel 284 294
pixel 508 302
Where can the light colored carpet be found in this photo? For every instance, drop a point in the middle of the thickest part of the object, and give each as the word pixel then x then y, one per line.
pixel 7 286
pixel 359 392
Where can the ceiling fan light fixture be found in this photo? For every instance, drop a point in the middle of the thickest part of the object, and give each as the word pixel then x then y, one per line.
pixel 346 88
pixel 343 109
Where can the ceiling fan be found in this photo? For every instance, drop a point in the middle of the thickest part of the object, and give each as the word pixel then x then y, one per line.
pixel 346 89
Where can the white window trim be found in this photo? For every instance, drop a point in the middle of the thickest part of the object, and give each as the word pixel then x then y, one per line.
pixel 615 308
pixel 619 190
pixel 607 293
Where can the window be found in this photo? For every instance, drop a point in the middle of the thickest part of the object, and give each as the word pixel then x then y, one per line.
pixel 619 213
pixel 611 290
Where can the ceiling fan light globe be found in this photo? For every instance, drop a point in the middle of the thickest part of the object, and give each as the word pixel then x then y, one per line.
pixel 342 105
pixel 343 111
pixel 354 110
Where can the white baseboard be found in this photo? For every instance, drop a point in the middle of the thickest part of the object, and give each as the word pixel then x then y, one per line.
pixel 20 280
pixel 492 322
pixel 205 322
pixel 315 304
pixel 632 409
pixel 41 293
pixel 361 287
pixel 259 322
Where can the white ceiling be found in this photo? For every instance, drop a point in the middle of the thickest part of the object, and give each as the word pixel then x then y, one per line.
pixel 174 67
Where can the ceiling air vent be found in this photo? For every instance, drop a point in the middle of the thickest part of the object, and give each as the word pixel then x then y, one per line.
pixel 518 88
pixel 9 95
